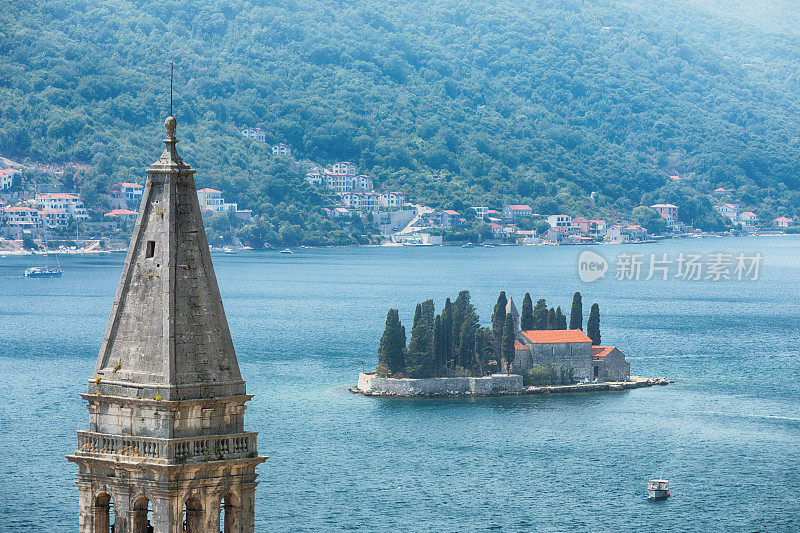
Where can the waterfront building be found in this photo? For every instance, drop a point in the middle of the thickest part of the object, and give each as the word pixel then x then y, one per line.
pixel 53 219
pixel 748 219
pixel 445 218
pixel 63 202
pixel 126 196
pixel 668 212
pixel 730 211
pixel 782 222
pixel 121 216
pixel 515 212
pixel 609 364
pixel 166 450
pixel 561 223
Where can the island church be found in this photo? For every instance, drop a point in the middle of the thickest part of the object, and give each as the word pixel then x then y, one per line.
pixel 566 348
pixel 166 450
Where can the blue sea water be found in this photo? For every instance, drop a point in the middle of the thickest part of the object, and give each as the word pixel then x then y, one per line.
pixel 727 434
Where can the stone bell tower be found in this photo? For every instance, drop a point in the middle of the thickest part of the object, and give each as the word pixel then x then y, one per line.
pixel 166 449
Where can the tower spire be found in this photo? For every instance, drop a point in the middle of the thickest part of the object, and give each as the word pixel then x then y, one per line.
pixel 166 445
pixel 171 71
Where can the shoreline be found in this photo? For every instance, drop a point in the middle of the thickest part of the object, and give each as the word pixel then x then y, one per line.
pixel 489 386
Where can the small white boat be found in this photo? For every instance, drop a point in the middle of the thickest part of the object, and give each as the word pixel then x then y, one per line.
pixel 43 272
pixel 658 489
pixel 286 251
pixel 228 250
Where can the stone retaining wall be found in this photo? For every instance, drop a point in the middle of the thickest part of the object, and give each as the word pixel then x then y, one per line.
pixel 497 384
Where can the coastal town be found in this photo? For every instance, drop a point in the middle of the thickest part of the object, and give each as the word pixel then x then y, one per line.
pixel 27 213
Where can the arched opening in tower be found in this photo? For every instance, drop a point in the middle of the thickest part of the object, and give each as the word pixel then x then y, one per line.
pixel 192 516
pixel 229 514
pixel 142 515
pixel 103 505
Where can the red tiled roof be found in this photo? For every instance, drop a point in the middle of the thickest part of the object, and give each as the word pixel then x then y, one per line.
pixel 549 336
pixel 17 209
pixel 450 212
pixel 783 219
pixel 518 207
pixel 126 184
pixel 492 211
pixel 749 213
pixel 720 189
pixel 57 196
pixel 118 212
pixel 519 346
pixel 51 212
pixel 208 190
pixel 601 351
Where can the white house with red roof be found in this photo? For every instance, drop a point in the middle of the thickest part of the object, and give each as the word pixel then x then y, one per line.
pixel 19 215
pixel 730 211
pixel 783 222
pixel 668 212
pixel 281 149
pixel 63 202
pixel 516 211
pixel 210 199
pixel 126 195
pixel 54 218
pixel 748 218
pixel 7 177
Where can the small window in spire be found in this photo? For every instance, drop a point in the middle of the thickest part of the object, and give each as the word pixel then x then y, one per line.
pixel 151 249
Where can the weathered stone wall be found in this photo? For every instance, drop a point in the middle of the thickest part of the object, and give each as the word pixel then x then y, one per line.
pixel 577 355
pixel 370 384
pixel 613 367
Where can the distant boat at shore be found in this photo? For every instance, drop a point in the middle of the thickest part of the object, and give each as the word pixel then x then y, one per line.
pixel 286 251
pixel 228 250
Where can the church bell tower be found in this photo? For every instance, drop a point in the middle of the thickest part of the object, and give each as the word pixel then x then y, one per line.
pixel 166 450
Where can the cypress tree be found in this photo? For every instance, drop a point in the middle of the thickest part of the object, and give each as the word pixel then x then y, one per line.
pixel 466 342
pixel 447 331
pixel 498 319
pixel 393 343
pixel 420 361
pixel 417 314
pixel 551 319
pixel 561 319
pixel 428 312
pixel 593 325
pixel 439 351
pixel 576 313
pixel 526 318
pixel 459 312
pixel 507 346
pixel 540 315
pixel 483 350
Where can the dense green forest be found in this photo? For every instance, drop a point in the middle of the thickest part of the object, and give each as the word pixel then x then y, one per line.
pixel 453 102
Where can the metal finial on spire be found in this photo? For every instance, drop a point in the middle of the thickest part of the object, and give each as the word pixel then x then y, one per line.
pixel 170 123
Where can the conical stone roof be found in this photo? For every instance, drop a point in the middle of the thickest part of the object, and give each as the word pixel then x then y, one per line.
pixel 167 335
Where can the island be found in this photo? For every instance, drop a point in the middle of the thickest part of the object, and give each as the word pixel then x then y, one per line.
pixel 533 352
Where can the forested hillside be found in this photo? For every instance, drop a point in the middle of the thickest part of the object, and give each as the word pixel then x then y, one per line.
pixel 449 101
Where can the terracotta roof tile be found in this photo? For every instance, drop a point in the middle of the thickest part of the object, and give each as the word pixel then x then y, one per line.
pixel 519 346
pixel 548 336
pixel 601 351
